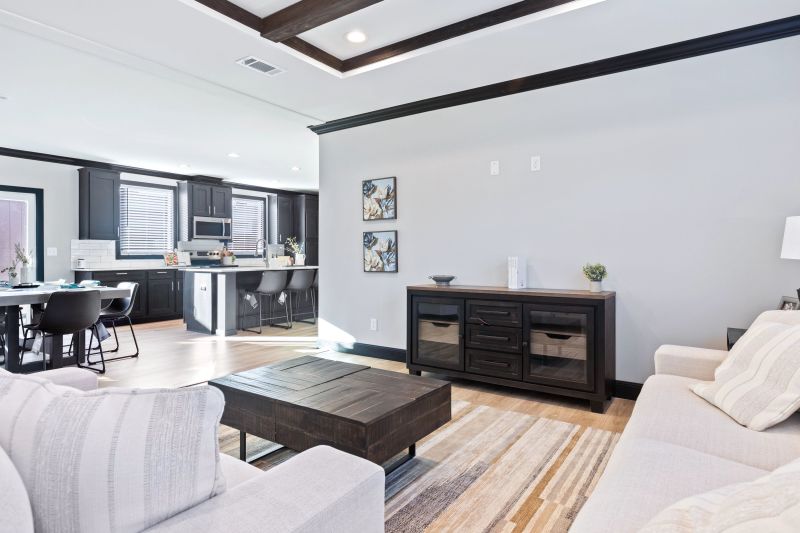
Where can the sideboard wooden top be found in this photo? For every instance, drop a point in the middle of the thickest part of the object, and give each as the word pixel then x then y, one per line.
pixel 505 291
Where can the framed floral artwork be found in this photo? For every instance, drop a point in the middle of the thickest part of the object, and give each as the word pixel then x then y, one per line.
pixel 380 251
pixel 379 199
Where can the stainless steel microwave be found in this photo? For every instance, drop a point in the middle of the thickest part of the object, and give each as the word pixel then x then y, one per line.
pixel 211 228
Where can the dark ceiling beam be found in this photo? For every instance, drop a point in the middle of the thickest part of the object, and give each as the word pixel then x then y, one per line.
pixel 719 42
pixel 309 50
pixel 232 11
pixel 457 29
pixel 307 14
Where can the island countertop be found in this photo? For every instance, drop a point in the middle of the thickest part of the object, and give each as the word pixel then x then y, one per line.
pixel 234 270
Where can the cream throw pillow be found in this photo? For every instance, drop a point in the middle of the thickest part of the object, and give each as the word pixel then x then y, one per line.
pixel 111 460
pixel 758 384
pixel 770 504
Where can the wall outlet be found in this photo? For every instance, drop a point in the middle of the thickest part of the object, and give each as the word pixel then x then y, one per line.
pixel 373 324
pixel 536 163
pixel 52 251
pixel 494 168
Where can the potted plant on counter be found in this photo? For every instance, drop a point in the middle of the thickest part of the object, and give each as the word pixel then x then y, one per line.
pixel 227 256
pixel 595 274
pixel 297 249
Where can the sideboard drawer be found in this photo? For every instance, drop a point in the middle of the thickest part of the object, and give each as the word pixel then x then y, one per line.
pixel 501 365
pixel 494 313
pixel 494 338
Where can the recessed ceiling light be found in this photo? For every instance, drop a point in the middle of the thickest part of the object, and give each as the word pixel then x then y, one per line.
pixel 295 169
pixel 356 36
pixel 233 155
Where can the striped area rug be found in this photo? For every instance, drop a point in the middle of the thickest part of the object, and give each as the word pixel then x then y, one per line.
pixel 489 470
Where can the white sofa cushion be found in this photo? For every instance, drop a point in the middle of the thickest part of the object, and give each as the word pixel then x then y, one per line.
pixel 235 471
pixel 15 508
pixel 644 476
pixel 115 460
pixel 770 504
pixel 758 384
pixel 322 490
pixel 667 410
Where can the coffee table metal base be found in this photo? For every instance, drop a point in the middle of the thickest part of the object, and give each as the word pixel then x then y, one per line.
pixel 390 467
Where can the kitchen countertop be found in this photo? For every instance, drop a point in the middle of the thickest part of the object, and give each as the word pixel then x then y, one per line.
pixel 227 270
pixel 243 268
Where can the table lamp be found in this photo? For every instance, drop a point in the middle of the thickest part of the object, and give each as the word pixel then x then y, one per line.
pixel 791 241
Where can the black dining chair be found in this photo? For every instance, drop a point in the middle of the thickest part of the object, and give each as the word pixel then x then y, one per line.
pixel 118 310
pixel 301 282
pixel 68 313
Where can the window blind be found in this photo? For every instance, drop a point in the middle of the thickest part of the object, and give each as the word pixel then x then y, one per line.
pixel 147 220
pixel 247 225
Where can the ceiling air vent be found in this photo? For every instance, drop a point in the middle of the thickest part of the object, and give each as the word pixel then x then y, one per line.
pixel 261 66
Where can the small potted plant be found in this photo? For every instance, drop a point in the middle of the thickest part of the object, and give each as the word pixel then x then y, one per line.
pixel 595 274
pixel 297 249
pixel 227 256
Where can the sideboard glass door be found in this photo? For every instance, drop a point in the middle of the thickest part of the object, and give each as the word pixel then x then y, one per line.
pixel 559 346
pixel 438 333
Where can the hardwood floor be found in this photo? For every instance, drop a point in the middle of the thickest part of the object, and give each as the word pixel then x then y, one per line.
pixel 170 356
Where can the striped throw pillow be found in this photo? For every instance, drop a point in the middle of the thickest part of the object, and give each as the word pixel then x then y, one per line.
pixel 769 504
pixel 758 384
pixel 112 460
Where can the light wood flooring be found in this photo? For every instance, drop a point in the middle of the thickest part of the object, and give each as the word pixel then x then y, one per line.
pixel 170 356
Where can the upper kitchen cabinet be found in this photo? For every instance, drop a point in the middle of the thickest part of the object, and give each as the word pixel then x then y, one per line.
pixel 221 202
pixel 98 204
pixel 207 200
pixel 285 212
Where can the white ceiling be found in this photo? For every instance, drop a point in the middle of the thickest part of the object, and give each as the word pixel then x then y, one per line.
pixel 154 82
pixel 390 21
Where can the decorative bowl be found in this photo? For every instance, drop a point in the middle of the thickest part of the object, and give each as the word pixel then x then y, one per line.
pixel 442 280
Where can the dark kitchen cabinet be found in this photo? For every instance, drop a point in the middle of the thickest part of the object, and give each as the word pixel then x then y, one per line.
pixel 98 204
pixel 160 295
pixel 558 342
pixel 306 225
pixel 200 200
pixel 285 218
pixel 221 202
pixel 206 200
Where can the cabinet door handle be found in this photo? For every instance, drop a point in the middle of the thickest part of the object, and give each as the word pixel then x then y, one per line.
pixel 179 285
pixel 172 286
pixel 215 210
pixel 491 337
pixel 209 209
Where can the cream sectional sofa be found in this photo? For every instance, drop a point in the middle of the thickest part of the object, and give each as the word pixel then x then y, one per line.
pixel 319 490
pixel 676 444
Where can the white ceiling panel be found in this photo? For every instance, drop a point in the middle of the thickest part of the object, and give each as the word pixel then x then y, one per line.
pixel 262 8
pixel 391 21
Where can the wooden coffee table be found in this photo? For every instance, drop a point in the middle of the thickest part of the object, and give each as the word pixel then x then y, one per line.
pixel 308 401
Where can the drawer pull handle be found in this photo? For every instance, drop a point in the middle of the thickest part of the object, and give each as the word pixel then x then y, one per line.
pixel 558 336
pixel 495 363
pixel 492 337
pixel 492 312
pixel 162 272
pixel 121 273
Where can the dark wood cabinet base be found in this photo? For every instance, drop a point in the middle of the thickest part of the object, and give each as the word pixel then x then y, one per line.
pixel 550 341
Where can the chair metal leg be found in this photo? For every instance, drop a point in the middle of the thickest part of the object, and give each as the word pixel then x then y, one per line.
pixel 102 369
pixel 244 306
pixel 116 338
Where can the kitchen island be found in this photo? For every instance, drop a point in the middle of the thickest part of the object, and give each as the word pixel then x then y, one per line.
pixel 211 296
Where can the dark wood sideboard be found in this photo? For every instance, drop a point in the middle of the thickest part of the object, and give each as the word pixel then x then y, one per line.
pixel 554 341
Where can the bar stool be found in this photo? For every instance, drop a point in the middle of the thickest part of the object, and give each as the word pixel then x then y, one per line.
pixel 119 309
pixel 68 313
pixel 301 282
pixel 247 290
pixel 273 283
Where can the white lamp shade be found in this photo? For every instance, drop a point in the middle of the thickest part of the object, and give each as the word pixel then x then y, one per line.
pixel 791 239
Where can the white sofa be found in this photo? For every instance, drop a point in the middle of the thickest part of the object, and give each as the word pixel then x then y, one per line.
pixel 319 490
pixel 676 444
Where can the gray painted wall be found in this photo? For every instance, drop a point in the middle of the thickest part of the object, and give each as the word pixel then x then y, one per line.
pixel 60 185
pixel 677 177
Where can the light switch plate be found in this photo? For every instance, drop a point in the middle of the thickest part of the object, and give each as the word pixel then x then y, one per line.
pixel 52 251
pixel 373 324
pixel 536 163
pixel 494 168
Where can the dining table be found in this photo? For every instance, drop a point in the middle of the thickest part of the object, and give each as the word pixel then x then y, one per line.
pixel 12 299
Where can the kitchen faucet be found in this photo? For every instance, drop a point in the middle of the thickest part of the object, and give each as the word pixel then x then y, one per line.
pixel 262 243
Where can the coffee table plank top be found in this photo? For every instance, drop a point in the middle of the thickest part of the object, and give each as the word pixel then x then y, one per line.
pixel 310 401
